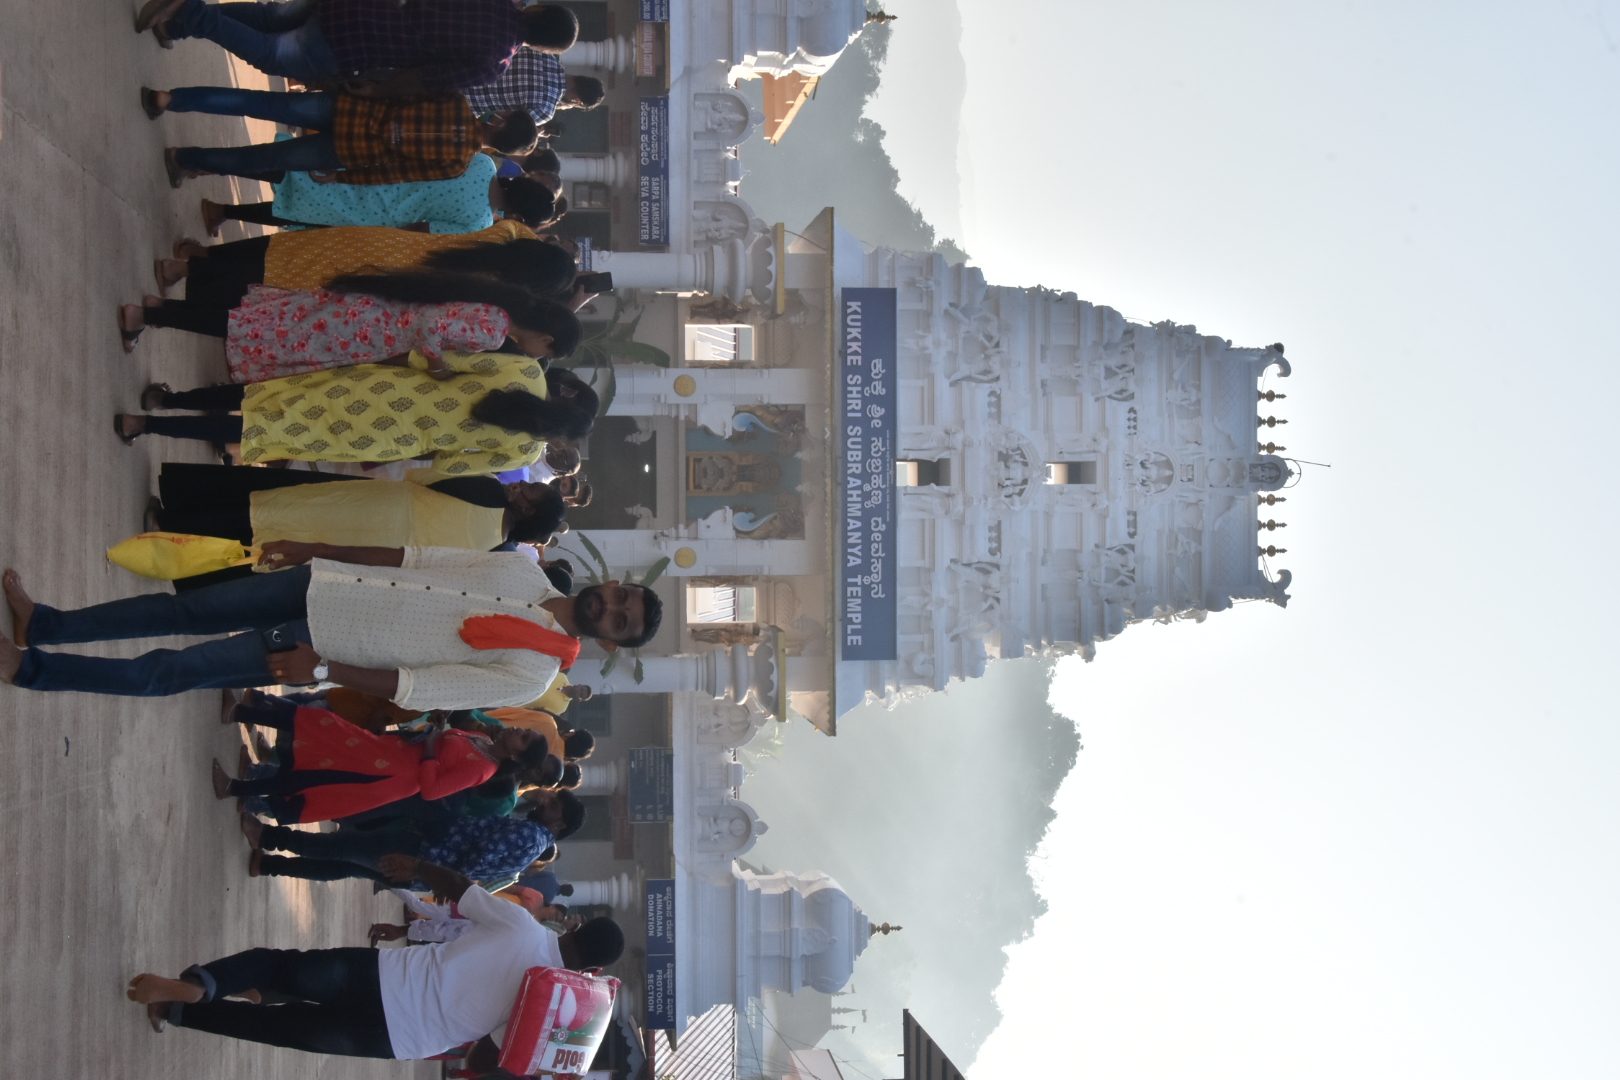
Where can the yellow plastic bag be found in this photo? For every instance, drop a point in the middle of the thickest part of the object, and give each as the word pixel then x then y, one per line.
pixel 166 556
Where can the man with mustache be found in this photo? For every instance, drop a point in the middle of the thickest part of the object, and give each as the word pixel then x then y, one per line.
pixel 426 628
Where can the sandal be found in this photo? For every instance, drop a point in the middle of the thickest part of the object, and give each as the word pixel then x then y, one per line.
pixel 164 282
pixel 118 429
pixel 213 220
pixel 130 337
pixel 158 391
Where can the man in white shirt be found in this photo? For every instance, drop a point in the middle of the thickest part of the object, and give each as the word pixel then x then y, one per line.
pixel 403 1003
pixel 402 623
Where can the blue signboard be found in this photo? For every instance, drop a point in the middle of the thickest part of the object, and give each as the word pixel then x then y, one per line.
pixel 660 954
pixel 866 567
pixel 652 784
pixel 655 10
pixel 652 222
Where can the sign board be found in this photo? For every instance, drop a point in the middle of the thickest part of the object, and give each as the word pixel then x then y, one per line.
pixel 652 221
pixel 867 442
pixel 654 11
pixel 660 912
pixel 587 251
pixel 648 51
pixel 652 784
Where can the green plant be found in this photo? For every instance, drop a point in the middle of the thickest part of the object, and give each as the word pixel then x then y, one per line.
pixel 599 574
pixel 613 342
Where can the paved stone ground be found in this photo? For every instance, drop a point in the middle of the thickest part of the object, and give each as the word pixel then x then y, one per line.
pixel 114 857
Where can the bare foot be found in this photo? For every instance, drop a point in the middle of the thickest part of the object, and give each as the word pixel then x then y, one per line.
pixel 22 607
pixel 148 988
pixel 151 301
pixel 157 1015
pixel 253 829
pixel 189 249
pixel 253 862
pixel 129 426
pixel 169 272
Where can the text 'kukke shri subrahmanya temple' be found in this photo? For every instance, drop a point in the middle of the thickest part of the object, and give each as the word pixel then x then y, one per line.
pixel 864 472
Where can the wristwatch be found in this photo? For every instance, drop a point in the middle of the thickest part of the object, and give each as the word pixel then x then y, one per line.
pixel 321 672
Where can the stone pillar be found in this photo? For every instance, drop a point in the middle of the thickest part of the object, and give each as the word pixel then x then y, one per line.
pixel 714 552
pixel 746 674
pixel 608 169
pixel 709 396
pixel 614 54
pixel 599 779
pixel 730 268
pixel 617 891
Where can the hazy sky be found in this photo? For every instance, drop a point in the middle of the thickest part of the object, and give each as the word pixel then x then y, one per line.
pixel 1374 833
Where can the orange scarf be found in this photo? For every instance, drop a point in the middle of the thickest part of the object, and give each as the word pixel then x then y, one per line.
pixel 511 632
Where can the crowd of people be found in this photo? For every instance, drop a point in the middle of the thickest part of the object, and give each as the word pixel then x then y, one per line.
pixel 400 446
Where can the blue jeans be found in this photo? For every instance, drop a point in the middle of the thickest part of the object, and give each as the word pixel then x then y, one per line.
pixel 278 39
pixel 259 602
pixel 304 154
pixel 335 1004
pixel 333 856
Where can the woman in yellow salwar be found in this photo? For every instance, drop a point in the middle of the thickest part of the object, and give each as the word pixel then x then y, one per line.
pixel 476 413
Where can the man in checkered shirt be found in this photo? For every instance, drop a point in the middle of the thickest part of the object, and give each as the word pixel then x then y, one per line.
pixel 394 49
pixel 536 82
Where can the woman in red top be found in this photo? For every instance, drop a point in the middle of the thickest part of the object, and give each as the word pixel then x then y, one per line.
pixel 333 769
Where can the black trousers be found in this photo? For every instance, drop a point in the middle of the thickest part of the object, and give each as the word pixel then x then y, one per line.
pixel 212 429
pixel 337 1006
pixel 216 500
pixel 261 213
pixel 192 315
pixel 222 277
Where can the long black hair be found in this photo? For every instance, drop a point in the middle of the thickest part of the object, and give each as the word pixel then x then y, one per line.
pixel 430 286
pixel 569 413
pixel 543 268
pixel 528 200
pixel 538 526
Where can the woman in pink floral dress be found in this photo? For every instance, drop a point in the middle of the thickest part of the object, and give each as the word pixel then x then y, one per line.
pixel 275 333
pixel 278 332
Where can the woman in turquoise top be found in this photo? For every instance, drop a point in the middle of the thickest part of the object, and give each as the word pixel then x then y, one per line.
pixel 465 204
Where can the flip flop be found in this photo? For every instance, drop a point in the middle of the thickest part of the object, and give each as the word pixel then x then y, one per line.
pixel 211 222
pixel 118 429
pixel 157 1014
pixel 149 103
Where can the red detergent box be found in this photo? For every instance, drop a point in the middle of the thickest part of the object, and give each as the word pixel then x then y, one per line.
pixel 558 1022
